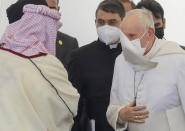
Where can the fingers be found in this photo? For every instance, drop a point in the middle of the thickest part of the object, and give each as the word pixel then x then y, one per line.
pixel 138 114
pixel 141 113
pixel 134 113
pixel 138 108
pixel 141 117
pixel 138 119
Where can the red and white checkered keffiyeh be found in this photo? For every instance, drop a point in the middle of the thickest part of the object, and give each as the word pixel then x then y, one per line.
pixel 34 33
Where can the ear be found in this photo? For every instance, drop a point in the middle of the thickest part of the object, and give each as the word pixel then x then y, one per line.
pixel 95 22
pixel 164 23
pixel 151 33
pixel 58 8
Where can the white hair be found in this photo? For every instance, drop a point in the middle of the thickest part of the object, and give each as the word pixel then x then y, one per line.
pixel 145 17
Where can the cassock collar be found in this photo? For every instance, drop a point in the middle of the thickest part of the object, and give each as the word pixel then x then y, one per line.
pixel 157 44
pixel 107 47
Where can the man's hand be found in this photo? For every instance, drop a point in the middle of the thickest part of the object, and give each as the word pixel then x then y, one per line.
pixel 132 113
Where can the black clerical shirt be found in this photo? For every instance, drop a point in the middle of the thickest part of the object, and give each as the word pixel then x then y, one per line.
pixel 91 71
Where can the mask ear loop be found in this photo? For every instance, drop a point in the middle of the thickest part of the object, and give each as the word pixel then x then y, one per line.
pixel 53 88
pixel 146 46
pixel 147 42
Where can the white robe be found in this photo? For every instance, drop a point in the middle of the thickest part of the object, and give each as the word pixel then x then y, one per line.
pixel 162 90
pixel 27 101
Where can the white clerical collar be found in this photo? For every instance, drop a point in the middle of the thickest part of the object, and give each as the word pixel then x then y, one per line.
pixel 113 46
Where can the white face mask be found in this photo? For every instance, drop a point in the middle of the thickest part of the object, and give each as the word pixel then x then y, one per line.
pixel 108 34
pixel 137 44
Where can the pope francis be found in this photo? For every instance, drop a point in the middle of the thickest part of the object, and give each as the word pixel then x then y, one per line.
pixel 148 89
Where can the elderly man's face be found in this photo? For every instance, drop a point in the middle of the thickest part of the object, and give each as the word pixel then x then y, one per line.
pixel 53 4
pixel 133 29
pixel 107 18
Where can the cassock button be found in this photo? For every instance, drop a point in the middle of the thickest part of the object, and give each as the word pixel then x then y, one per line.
pixel 60 42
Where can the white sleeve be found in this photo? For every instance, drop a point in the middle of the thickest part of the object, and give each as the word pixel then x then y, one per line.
pixel 181 84
pixel 115 104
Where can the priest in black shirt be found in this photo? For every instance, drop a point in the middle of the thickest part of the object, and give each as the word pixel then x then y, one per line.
pixel 91 66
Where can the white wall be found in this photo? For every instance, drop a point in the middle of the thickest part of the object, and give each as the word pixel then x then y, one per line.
pixel 3 19
pixel 78 19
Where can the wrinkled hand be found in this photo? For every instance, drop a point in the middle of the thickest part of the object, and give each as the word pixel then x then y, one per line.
pixel 132 113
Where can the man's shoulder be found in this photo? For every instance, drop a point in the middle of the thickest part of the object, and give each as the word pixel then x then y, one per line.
pixel 7 54
pixel 67 40
pixel 61 35
pixel 169 48
pixel 65 44
pixel 120 57
pixel 86 49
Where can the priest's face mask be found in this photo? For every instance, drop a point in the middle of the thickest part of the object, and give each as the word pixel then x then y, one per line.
pixel 138 34
pixel 108 27
pixel 53 4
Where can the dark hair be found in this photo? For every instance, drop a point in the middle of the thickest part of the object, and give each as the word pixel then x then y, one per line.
pixel 15 11
pixel 153 6
pixel 113 6
pixel 129 1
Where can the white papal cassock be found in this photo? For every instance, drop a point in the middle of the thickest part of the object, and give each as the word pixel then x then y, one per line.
pixel 161 89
